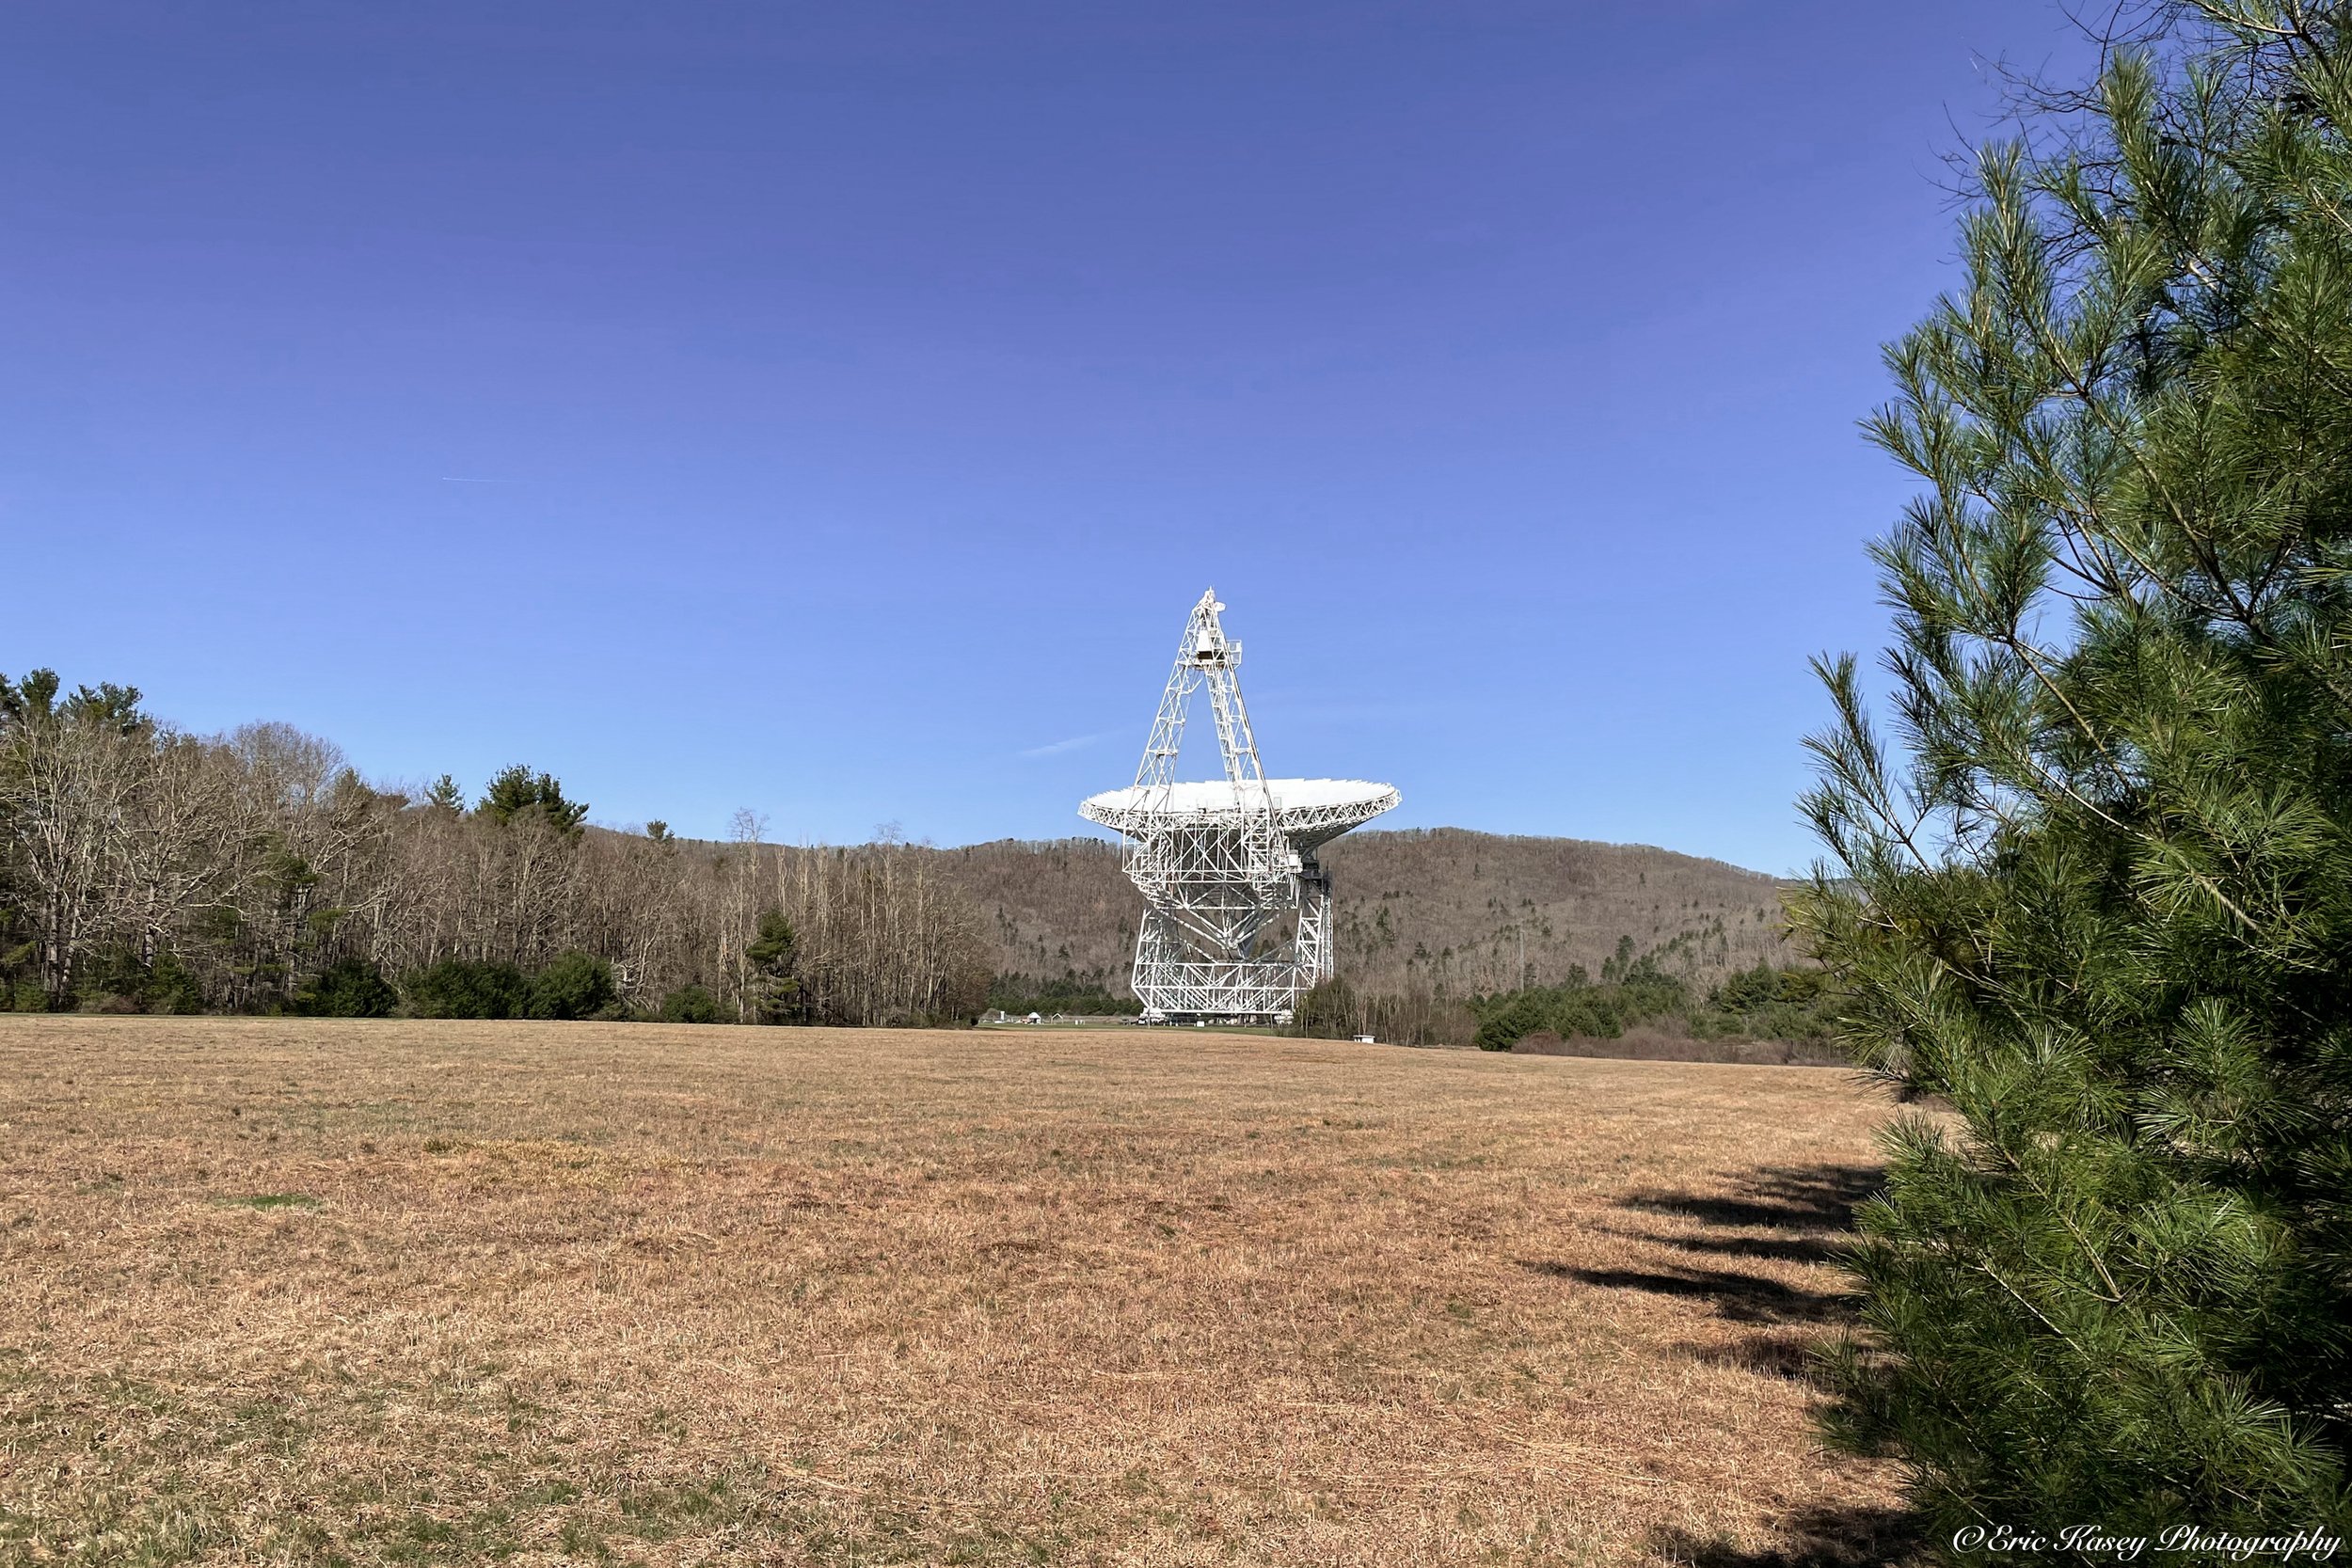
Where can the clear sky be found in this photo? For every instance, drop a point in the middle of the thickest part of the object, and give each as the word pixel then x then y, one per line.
pixel 832 410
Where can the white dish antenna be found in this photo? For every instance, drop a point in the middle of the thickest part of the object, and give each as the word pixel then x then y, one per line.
pixel 1221 861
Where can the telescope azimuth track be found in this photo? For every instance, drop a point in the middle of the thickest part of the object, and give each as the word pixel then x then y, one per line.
pixel 1220 862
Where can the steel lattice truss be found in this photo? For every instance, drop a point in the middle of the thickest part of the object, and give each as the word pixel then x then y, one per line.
pixel 1220 862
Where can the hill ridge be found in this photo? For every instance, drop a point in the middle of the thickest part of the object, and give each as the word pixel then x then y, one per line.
pixel 1456 911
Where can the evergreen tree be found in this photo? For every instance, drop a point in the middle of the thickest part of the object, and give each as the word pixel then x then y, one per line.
pixel 517 791
pixel 576 984
pixel 106 706
pixel 462 987
pixel 774 989
pixel 689 1004
pixel 348 987
pixel 2096 893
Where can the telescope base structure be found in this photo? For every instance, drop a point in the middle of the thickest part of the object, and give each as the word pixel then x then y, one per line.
pixel 1222 862
pixel 1177 985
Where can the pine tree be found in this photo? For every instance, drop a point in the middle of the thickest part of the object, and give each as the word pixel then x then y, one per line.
pixel 772 989
pixel 2093 893
pixel 517 792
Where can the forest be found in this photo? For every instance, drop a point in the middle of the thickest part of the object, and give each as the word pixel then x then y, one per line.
pixel 1654 991
pixel 145 869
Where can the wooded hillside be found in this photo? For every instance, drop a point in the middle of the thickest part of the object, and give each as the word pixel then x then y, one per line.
pixel 1443 909
pixel 145 867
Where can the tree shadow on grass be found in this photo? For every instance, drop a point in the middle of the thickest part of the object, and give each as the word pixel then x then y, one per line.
pixel 1776 1215
pixel 1805 1214
pixel 1789 1357
pixel 1743 1298
pixel 1778 1249
pixel 1816 1538
pixel 1814 1197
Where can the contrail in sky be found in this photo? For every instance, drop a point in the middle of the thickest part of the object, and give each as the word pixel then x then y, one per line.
pixel 1055 747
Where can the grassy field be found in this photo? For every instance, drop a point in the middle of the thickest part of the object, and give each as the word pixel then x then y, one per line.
pixel 281 1291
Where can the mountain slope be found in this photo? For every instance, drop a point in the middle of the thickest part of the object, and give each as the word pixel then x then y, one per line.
pixel 1442 908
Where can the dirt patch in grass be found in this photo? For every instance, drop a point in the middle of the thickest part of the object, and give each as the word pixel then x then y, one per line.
pixel 452 1293
pixel 270 1200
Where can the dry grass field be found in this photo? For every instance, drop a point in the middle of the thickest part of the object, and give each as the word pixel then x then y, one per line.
pixel 278 1291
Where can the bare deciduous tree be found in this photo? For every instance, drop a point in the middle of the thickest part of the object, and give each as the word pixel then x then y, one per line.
pixel 244 865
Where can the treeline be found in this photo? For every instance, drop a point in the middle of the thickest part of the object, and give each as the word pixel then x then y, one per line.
pixel 1338 1009
pixel 1761 1004
pixel 143 868
pixel 1071 995
pixel 1766 1002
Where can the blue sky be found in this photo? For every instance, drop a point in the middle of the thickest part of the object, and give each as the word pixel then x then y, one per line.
pixel 833 410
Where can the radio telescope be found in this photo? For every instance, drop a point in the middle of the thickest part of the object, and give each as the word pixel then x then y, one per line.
pixel 1220 863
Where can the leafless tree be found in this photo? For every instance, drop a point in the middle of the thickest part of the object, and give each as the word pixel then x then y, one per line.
pixel 251 862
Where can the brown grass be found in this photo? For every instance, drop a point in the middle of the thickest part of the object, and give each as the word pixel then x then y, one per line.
pixel 316 1291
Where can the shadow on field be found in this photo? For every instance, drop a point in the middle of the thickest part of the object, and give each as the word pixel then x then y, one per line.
pixel 1819 1197
pixel 1743 1298
pixel 1816 1538
pixel 1774 1216
pixel 1805 1214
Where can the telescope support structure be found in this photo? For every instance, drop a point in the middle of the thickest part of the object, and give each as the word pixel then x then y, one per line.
pixel 1219 870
